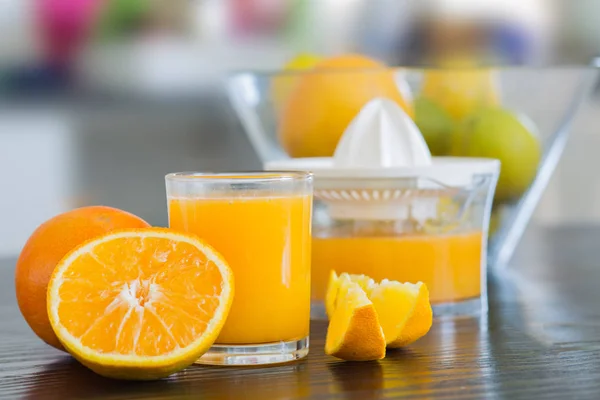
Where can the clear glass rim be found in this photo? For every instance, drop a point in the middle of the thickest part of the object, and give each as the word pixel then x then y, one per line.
pixel 242 177
pixel 591 66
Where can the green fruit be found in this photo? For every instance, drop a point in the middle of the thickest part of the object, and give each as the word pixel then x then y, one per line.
pixel 435 124
pixel 118 18
pixel 501 134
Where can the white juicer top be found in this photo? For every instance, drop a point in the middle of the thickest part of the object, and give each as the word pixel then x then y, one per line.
pixel 381 136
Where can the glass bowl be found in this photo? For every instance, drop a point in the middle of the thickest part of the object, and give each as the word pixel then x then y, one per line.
pixel 518 115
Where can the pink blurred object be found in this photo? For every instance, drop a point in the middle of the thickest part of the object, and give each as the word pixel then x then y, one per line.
pixel 257 16
pixel 64 26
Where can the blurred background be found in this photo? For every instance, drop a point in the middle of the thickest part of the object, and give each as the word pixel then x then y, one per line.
pixel 99 99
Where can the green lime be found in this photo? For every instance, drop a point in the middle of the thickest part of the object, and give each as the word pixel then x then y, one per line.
pixel 509 137
pixel 435 124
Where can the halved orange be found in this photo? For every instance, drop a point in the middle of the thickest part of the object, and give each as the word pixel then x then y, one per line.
pixel 354 333
pixel 140 303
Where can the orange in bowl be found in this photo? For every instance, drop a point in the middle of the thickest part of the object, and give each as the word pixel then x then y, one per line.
pixel 326 99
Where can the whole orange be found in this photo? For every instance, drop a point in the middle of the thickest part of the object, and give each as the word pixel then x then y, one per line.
pixel 326 99
pixel 46 247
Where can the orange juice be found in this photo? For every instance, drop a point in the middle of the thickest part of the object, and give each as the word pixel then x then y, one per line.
pixel 266 241
pixel 450 265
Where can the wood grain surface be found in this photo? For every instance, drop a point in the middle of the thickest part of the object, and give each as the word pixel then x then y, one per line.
pixel 541 340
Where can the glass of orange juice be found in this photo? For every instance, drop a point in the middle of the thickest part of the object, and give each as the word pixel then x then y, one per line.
pixel 261 223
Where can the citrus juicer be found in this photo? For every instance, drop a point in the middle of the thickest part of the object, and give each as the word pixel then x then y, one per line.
pixel 386 208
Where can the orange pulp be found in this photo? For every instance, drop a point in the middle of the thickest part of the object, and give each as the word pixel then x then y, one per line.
pixel 450 265
pixel 266 241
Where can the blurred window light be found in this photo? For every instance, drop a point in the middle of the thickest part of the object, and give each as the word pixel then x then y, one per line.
pixel 209 19
pixel 18 44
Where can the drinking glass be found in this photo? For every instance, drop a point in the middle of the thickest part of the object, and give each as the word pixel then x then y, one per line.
pixel 261 223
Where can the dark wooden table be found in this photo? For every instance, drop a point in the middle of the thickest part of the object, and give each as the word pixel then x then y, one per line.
pixel 541 339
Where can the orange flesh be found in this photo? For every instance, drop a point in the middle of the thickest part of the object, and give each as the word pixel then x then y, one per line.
pixel 266 242
pixel 450 265
pixel 139 296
